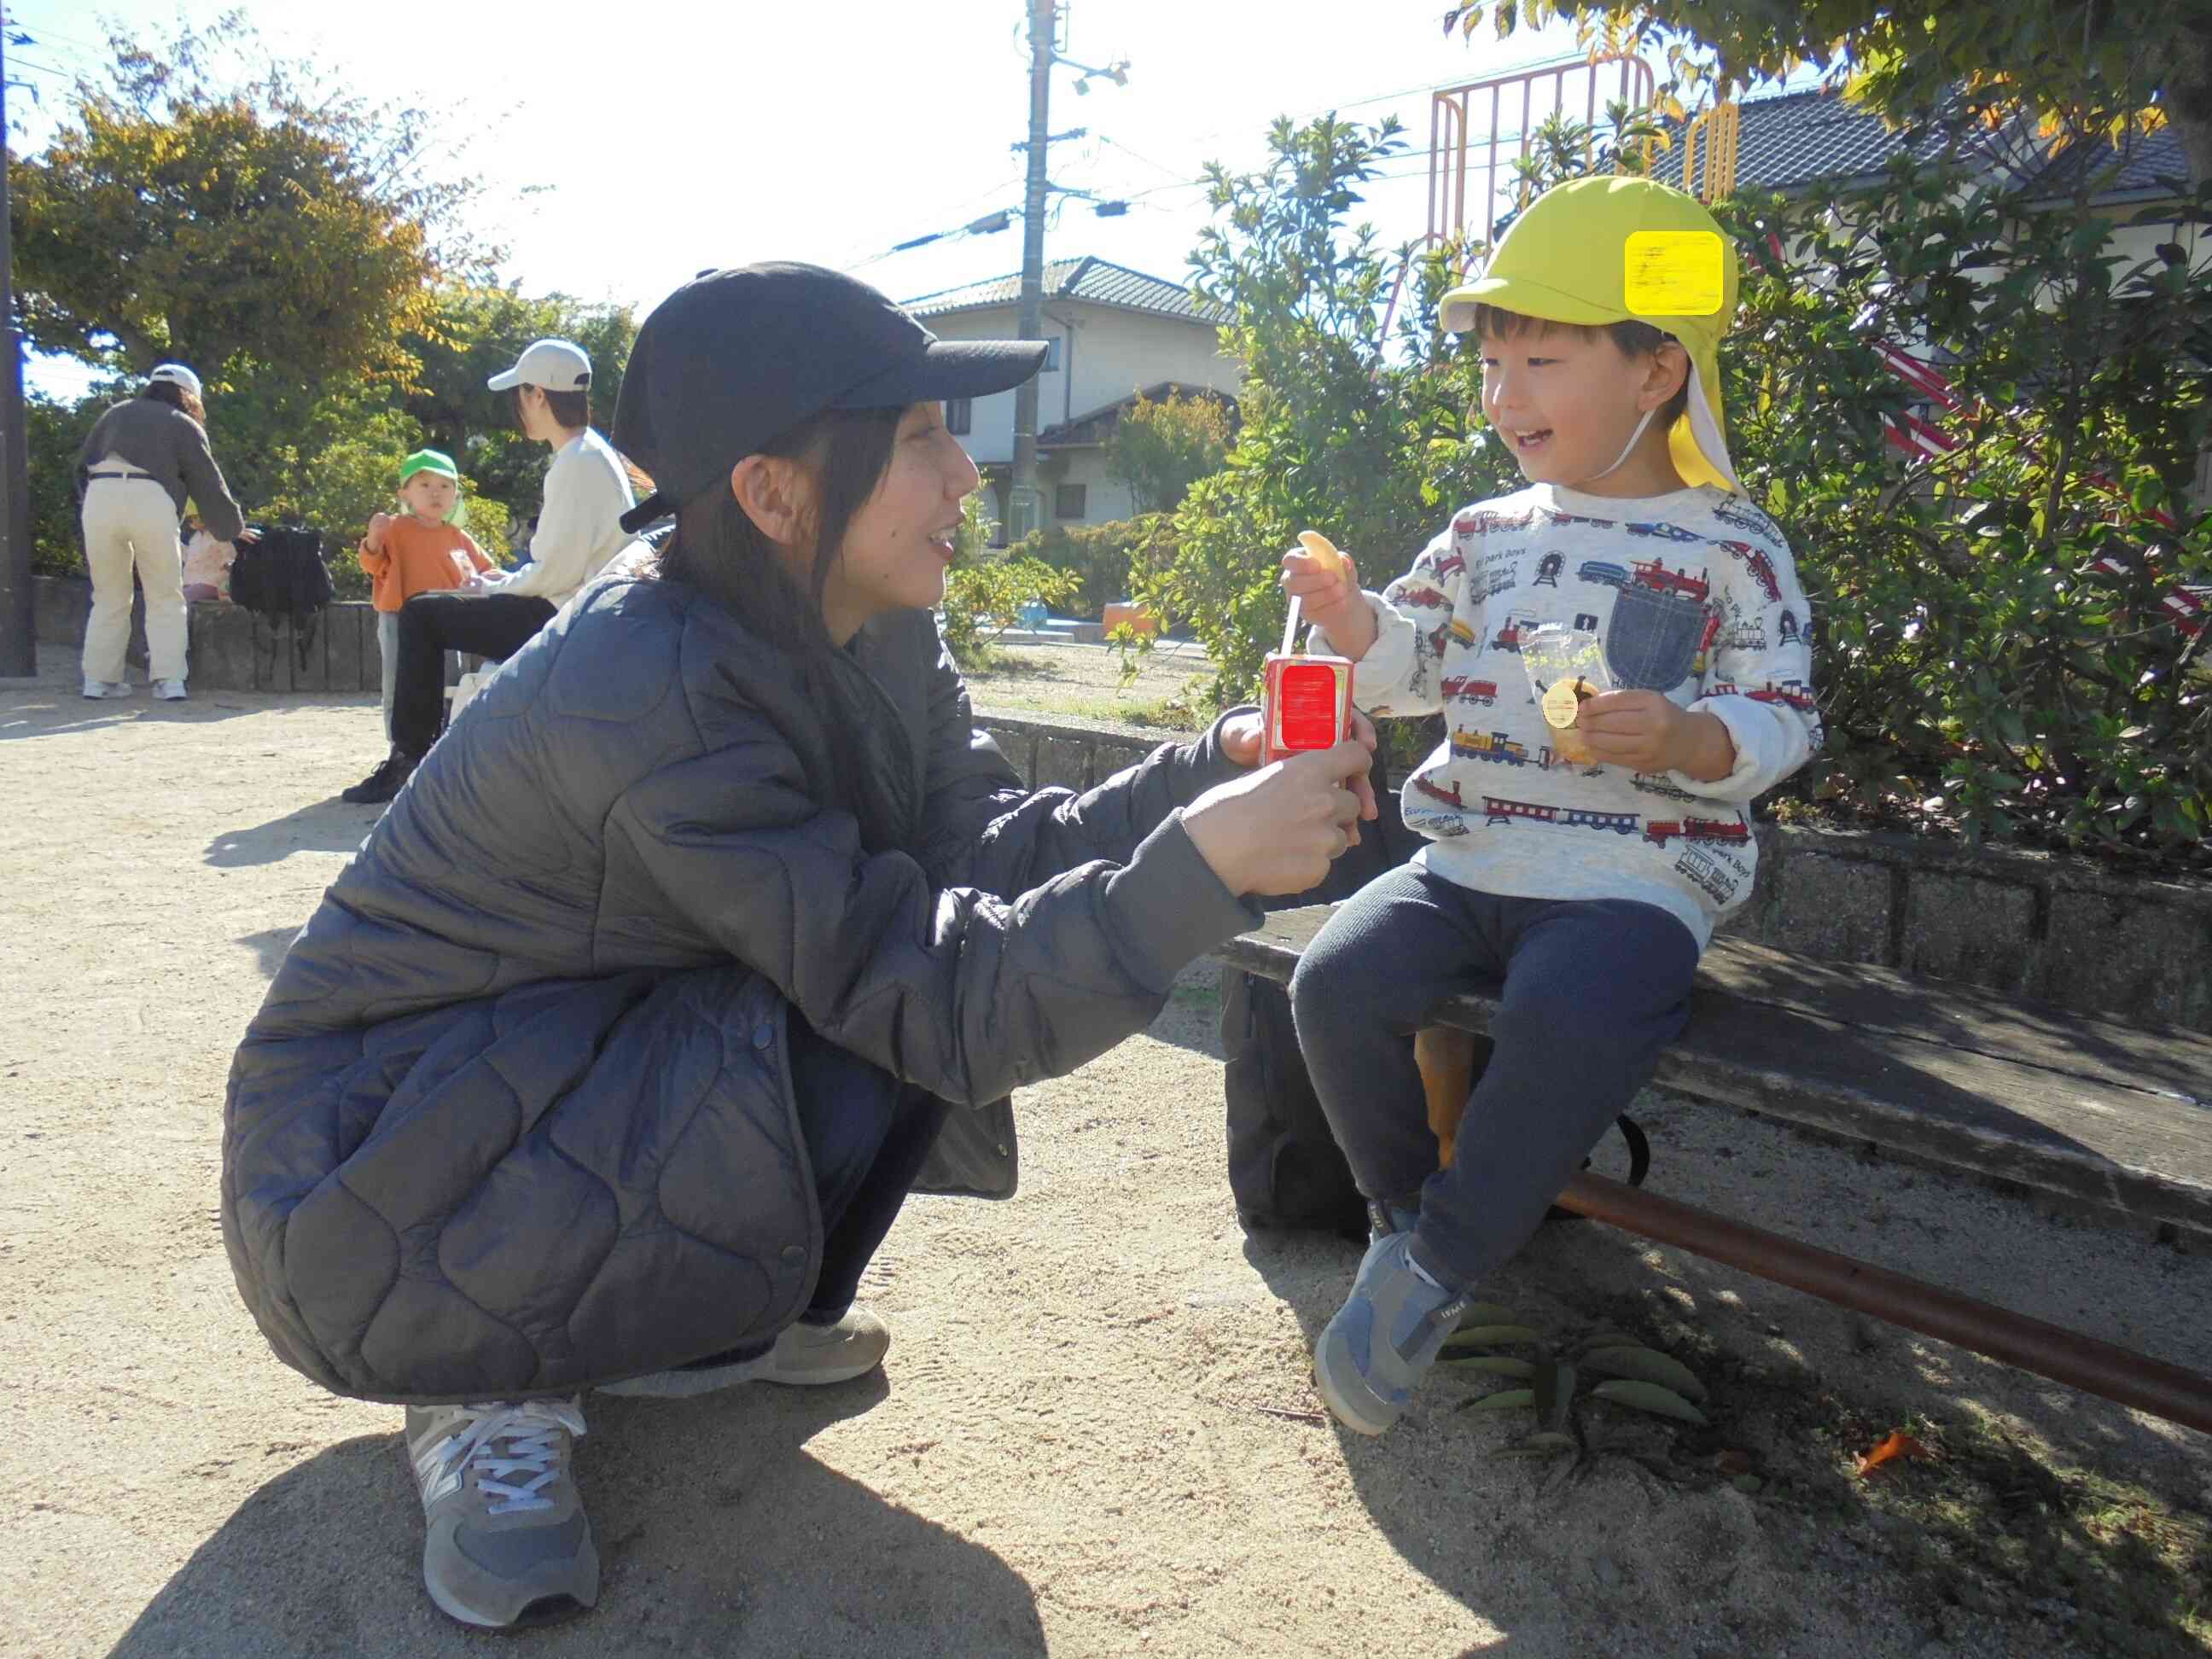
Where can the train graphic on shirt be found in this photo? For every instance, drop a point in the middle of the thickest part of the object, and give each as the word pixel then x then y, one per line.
pixel 1660 831
pixel 1493 746
pixel 1653 574
pixel 1499 810
pixel 1790 694
pixel 1465 689
pixel 1759 567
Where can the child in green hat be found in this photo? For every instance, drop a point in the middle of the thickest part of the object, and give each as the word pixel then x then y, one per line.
pixel 1583 844
pixel 417 550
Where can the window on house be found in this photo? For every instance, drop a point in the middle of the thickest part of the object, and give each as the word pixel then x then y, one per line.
pixel 959 415
pixel 1068 500
pixel 1051 356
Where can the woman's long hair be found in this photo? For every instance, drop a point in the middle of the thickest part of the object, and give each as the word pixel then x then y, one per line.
pixel 718 550
pixel 165 392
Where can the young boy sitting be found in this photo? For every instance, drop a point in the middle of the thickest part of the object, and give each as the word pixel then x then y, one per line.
pixel 416 551
pixel 1590 885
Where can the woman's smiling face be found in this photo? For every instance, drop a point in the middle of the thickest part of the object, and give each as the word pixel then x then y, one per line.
pixel 900 544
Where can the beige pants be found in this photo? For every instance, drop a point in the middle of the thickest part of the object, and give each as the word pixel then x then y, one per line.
pixel 131 522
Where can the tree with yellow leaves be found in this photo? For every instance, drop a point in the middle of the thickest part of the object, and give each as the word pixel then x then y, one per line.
pixel 280 222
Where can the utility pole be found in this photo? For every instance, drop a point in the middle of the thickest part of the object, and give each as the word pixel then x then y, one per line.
pixel 18 630
pixel 1024 508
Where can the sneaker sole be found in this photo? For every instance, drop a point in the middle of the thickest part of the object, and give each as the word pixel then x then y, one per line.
pixel 546 1610
pixel 823 1379
pixel 1341 1405
pixel 684 1385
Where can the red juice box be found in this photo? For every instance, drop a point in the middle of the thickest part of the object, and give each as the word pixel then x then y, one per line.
pixel 1306 703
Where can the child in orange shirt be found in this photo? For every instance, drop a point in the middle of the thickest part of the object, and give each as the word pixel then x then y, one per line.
pixel 417 551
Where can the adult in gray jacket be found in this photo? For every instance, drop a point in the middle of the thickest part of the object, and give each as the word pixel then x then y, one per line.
pixel 711 928
pixel 135 470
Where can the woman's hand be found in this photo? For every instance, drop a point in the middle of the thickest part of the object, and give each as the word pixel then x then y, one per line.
pixel 1243 736
pixel 1330 600
pixel 246 538
pixel 1276 829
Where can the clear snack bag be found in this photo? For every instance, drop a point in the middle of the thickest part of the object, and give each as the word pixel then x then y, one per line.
pixel 1565 668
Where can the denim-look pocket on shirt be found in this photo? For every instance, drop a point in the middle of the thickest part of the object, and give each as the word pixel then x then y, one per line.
pixel 1652 642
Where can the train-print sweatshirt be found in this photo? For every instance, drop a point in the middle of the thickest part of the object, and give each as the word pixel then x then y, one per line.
pixel 1692 594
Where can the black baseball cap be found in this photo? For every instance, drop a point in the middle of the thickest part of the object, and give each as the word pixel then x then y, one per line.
pixel 734 358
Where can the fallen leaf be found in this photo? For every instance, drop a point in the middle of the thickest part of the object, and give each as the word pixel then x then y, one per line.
pixel 1898 1444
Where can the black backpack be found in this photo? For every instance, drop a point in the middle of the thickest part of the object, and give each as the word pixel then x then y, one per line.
pixel 1285 1169
pixel 282 577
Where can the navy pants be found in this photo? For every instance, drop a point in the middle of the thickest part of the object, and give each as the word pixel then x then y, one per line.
pixel 1594 990
pixel 867 1137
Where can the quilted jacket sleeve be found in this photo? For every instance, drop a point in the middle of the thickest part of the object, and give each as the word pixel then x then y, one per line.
pixel 967 993
pixel 981 828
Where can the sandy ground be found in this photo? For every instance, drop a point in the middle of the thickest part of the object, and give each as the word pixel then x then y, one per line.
pixel 1085 680
pixel 1094 1434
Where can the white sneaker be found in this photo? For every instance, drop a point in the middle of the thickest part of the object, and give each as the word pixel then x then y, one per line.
pixel 98 689
pixel 508 1543
pixel 169 691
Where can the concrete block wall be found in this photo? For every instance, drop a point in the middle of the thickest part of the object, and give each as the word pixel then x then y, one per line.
pixel 2052 929
pixel 230 649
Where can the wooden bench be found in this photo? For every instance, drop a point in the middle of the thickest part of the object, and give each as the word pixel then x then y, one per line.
pixel 2118 1116
pixel 2096 1111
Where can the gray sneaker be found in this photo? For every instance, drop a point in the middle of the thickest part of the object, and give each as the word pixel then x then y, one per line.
pixel 1374 1353
pixel 805 1356
pixel 508 1544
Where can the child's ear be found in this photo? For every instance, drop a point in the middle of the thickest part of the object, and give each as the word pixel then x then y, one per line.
pixel 1664 375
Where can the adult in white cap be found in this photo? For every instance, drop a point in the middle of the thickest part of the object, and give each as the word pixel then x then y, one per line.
pixel 579 531
pixel 137 466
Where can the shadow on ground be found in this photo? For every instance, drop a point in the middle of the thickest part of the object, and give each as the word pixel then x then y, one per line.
pixel 718 1532
pixel 323 826
pixel 2012 1521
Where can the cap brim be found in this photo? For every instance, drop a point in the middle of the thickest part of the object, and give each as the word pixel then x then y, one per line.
pixel 949 368
pixel 1527 299
pixel 505 381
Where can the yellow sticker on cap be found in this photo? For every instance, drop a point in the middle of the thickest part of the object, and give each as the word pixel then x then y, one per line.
pixel 1675 273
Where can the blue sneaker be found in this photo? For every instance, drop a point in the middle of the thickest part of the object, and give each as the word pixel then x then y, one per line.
pixel 1385 1217
pixel 1374 1353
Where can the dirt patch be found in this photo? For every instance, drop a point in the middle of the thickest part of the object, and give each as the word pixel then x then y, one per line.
pixel 1096 1432
pixel 1086 682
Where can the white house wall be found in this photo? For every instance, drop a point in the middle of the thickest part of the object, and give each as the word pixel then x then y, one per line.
pixel 1111 354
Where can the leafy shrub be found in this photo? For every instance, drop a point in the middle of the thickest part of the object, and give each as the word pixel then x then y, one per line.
pixel 1160 449
pixel 1097 555
pixel 986 587
pixel 1994 652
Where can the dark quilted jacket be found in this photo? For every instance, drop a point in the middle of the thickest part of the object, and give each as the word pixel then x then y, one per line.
pixel 515 1116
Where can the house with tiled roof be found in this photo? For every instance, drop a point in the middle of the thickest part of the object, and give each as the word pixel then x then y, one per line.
pixel 1795 141
pixel 1110 333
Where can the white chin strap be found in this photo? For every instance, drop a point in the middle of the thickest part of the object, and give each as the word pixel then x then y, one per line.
pixel 1627 449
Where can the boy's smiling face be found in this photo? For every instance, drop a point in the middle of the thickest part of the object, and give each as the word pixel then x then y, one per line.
pixel 1566 403
pixel 430 496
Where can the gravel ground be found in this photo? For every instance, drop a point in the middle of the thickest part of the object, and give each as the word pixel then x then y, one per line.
pixel 1096 1433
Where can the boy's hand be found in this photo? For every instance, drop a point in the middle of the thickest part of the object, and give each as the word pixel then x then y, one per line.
pixel 1642 730
pixel 378 523
pixel 1331 599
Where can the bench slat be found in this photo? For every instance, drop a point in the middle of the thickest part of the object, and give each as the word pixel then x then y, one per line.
pixel 1943 1084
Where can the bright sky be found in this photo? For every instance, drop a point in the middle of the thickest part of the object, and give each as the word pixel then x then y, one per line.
pixel 626 147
